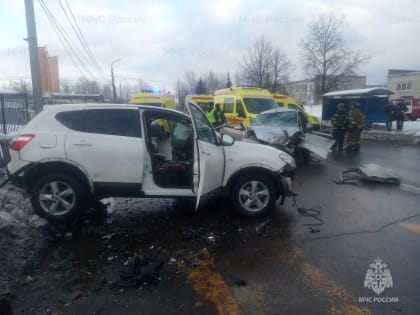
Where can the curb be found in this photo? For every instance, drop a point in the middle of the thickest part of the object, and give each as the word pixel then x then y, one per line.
pixel 391 136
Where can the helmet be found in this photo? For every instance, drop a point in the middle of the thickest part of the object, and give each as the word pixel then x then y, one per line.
pixel 340 106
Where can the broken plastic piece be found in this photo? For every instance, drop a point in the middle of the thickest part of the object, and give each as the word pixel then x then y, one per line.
pixel 369 173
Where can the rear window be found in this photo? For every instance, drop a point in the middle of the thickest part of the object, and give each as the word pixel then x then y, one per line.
pixel 117 122
pixel 71 119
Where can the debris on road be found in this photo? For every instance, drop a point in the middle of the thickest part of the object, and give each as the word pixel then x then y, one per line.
pixel 371 172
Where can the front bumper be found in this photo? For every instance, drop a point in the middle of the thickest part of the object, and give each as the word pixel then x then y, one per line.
pixel 284 184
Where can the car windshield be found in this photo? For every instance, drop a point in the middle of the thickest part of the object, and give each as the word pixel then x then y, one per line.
pixel 259 105
pixel 278 119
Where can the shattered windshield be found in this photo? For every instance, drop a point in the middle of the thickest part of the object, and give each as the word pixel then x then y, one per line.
pixel 259 105
pixel 278 119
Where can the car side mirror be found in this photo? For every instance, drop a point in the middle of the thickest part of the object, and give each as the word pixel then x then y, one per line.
pixel 227 140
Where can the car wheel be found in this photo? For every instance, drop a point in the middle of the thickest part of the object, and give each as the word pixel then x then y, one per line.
pixel 253 195
pixel 58 197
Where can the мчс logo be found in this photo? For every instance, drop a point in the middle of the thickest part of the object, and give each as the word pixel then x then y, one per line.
pixel 378 277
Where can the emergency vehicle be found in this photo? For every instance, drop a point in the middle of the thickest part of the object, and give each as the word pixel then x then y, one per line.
pixel 413 105
pixel 288 102
pixel 155 98
pixel 206 102
pixel 243 104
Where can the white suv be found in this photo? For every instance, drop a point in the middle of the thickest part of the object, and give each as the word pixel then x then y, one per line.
pixel 69 155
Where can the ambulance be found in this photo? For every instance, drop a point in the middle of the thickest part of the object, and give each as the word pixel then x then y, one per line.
pixel 158 99
pixel 288 102
pixel 206 102
pixel 243 104
pixel 154 98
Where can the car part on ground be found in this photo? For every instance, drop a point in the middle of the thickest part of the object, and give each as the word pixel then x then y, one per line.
pixel 369 173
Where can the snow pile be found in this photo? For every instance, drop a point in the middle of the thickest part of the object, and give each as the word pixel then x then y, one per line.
pixel 409 128
pixel 20 234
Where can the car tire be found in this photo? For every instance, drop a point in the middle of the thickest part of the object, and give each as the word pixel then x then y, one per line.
pixel 253 195
pixel 58 197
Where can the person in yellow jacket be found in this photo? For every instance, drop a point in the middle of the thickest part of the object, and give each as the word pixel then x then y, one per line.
pixel 355 125
pixel 210 114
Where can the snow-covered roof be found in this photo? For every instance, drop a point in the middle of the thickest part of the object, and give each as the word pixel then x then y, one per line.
pixel 360 92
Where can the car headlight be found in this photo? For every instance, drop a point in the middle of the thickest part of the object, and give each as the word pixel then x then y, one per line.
pixel 288 159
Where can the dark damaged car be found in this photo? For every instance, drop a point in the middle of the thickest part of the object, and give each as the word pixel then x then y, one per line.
pixel 290 131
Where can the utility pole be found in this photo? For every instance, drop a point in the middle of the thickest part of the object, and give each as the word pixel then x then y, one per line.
pixel 114 92
pixel 33 55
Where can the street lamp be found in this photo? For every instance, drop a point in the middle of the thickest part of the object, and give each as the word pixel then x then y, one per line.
pixel 114 93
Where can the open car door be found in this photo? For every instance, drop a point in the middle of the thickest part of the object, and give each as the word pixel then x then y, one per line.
pixel 317 144
pixel 209 157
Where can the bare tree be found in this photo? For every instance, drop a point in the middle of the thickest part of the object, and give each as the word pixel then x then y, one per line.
pixel 86 87
pixel 213 81
pixel 265 66
pixel 21 86
pixel 143 85
pixel 325 56
pixel 281 69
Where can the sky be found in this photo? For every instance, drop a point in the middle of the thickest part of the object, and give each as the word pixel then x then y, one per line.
pixel 157 41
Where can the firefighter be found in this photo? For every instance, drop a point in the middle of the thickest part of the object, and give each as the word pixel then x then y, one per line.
pixel 339 123
pixel 399 114
pixel 390 115
pixel 355 125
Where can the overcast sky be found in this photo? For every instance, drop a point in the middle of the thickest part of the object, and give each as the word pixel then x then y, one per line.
pixel 158 41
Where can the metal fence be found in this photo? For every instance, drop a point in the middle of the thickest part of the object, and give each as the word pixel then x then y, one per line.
pixel 15 111
pixel 17 108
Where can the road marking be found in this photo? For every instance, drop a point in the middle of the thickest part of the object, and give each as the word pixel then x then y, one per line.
pixel 410 188
pixel 209 283
pixel 412 227
pixel 340 301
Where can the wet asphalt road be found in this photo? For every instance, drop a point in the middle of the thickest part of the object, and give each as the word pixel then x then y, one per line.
pixel 218 263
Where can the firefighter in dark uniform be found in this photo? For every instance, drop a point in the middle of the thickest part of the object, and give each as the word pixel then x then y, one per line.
pixel 390 114
pixel 339 123
pixel 400 110
pixel 355 125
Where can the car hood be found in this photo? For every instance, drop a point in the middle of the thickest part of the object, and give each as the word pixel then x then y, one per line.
pixel 280 136
pixel 274 135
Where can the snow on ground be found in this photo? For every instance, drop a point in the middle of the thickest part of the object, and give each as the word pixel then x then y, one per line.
pixel 410 127
pixel 20 234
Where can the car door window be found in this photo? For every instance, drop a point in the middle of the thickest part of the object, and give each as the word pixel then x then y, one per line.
pixel 117 122
pixel 205 131
pixel 240 109
pixel 228 105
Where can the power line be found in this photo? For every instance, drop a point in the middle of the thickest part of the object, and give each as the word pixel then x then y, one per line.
pixel 75 26
pixel 66 40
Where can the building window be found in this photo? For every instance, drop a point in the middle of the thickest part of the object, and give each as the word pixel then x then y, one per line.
pixel 404 86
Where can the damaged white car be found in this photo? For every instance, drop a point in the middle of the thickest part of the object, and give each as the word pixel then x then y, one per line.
pixel 290 131
pixel 69 155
